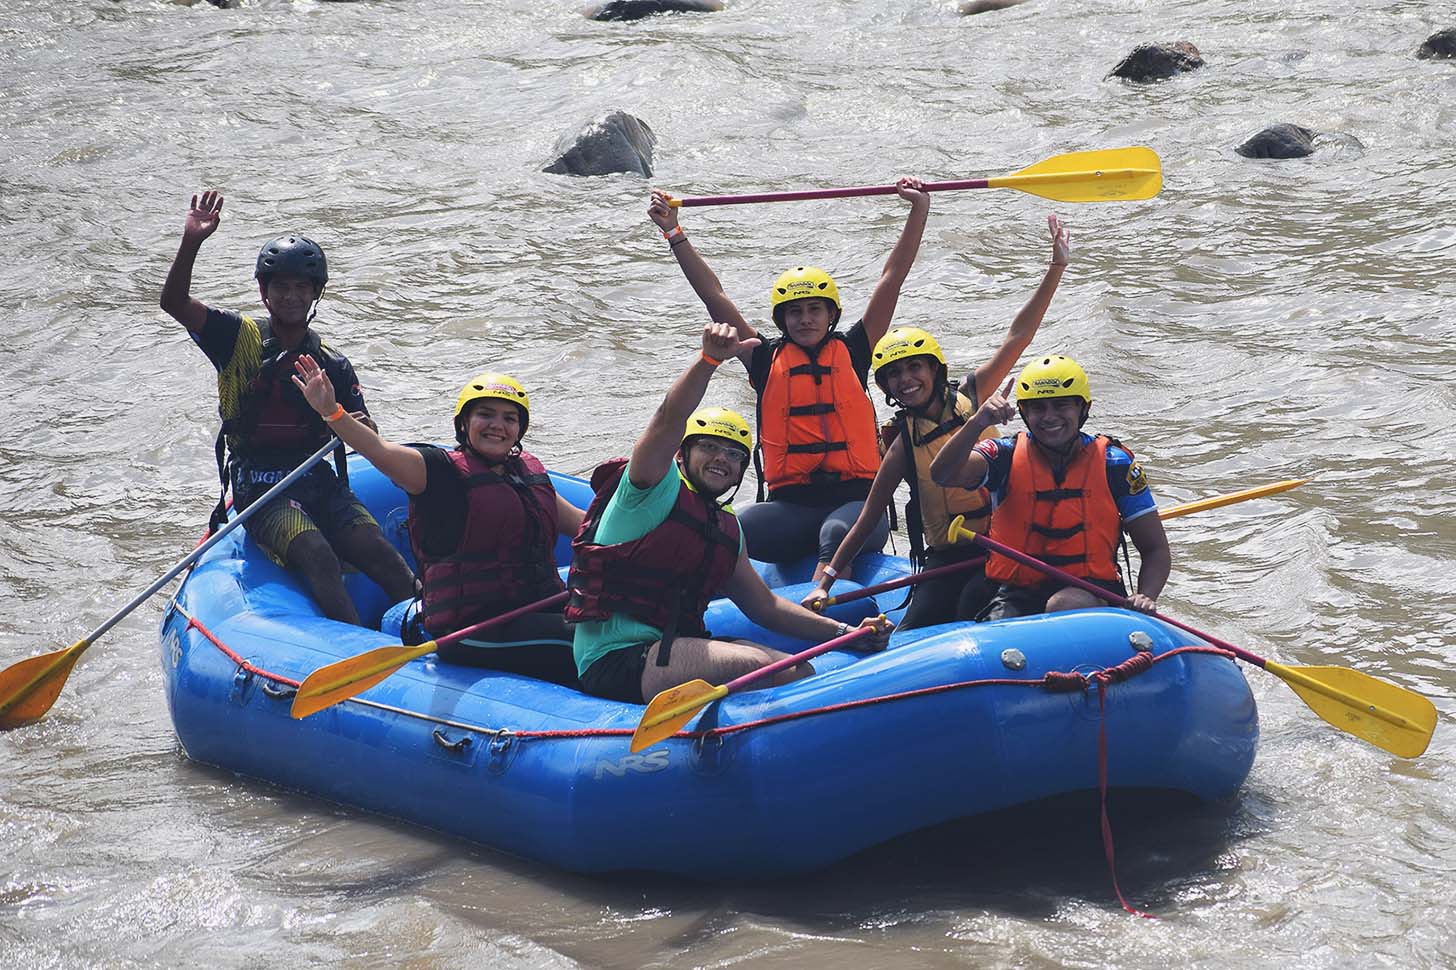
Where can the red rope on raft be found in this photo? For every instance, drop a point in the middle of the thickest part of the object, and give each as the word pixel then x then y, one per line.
pixel 1054 681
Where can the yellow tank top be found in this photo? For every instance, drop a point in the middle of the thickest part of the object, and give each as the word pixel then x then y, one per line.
pixel 939 505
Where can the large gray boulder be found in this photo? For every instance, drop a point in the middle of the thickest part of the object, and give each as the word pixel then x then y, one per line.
pixel 637 9
pixel 1279 141
pixel 1157 62
pixel 969 7
pixel 1440 45
pixel 615 142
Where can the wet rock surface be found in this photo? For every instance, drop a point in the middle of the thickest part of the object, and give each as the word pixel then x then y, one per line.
pixel 614 142
pixel 1157 62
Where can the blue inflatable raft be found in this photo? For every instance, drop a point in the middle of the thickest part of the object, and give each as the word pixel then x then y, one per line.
pixel 949 722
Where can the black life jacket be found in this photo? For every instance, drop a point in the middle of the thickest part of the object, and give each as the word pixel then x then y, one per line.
pixel 270 427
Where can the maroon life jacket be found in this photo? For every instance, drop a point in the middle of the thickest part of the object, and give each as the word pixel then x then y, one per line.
pixel 505 557
pixel 664 579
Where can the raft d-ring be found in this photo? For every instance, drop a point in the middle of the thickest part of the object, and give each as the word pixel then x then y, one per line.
pixel 1140 641
pixel 499 750
pixel 279 692
pixel 459 744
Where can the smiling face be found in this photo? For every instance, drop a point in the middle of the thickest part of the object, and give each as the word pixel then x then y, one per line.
pixel 713 465
pixel 1054 421
pixel 493 428
pixel 910 381
pixel 288 299
pixel 807 321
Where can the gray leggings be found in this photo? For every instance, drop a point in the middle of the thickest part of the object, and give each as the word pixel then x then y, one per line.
pixel 782 532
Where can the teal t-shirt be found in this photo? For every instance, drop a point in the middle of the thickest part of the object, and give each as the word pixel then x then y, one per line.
pixel 631 513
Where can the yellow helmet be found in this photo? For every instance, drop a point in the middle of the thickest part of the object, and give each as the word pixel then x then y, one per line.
pixel 800 283
pixel 492 385
pixel 719 423
pixel 903 342
pixel 1054 376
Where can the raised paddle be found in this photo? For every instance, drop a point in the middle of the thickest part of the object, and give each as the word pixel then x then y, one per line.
pixel 29 688
pixel 1187 508
pixel 1108 175
pixel 343 679
pixel 1398 720
pixel 674 707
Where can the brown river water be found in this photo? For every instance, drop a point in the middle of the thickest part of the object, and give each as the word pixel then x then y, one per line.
pixel 1257 321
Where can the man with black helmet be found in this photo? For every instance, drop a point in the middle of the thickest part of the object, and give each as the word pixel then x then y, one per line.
pixel 269 429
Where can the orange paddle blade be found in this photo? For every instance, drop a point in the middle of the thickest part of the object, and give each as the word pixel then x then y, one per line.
pixel 673 708
pixel 340 681
pixel 29 688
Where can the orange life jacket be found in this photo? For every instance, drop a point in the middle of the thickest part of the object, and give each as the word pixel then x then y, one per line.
pixel 816 425
pixel 1073 523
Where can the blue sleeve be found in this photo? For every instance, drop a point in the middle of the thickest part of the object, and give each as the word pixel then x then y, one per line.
pixel 997 452
pixel 1129 485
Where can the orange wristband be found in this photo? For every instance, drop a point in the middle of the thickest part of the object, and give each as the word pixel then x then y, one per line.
pixel 338 413
pixel 710 360
pixel 674 231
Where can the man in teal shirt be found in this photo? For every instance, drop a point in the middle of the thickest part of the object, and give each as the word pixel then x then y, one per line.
pixel 656 546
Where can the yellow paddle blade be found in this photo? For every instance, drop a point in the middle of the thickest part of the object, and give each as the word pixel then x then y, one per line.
pixel 29 688
pixel 1108 175
pixel 673 708
pixel 1218 501
pixel 1392 718
pixel 340 681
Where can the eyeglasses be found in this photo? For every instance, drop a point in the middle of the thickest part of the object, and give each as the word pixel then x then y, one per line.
pixel 728 452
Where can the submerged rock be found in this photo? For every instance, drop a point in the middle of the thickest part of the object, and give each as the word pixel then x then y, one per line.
pixel 1440 45
pixel 1279 141
pixel 637 9
pixel 969 7
pixel 615 142
pixel 1155 62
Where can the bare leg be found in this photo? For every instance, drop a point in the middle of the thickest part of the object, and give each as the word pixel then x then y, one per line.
pixel 1072 598
pixel 717 662
pixel 365 546
pixel 311 557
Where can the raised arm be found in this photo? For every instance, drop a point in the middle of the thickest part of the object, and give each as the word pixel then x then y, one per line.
pixel 881 309
pixel 958 464
pixel 177 300
pixel 699 275
pixel 653 454
pixel 986 378
pixel 401 465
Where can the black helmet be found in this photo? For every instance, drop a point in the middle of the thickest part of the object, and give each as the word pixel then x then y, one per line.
pixel 295 255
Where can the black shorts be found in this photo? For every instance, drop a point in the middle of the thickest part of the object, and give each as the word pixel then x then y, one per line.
pixel 1009 601
pixel 617 676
